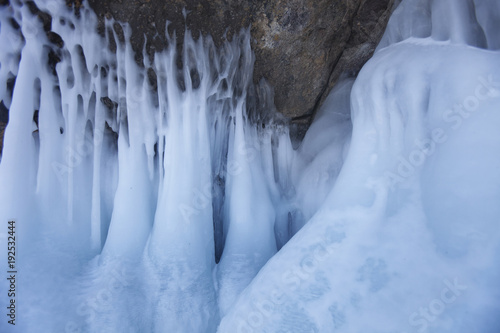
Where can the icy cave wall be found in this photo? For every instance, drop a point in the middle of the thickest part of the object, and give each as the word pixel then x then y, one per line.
pixel 302 47
pixel 298 44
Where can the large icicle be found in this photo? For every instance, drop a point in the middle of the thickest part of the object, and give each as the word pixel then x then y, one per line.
pixel 180 251
pixel 250 239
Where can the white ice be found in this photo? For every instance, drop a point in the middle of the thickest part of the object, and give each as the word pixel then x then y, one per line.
pixel 384 219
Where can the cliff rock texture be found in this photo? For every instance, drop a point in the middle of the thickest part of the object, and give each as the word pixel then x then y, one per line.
pixel 302 47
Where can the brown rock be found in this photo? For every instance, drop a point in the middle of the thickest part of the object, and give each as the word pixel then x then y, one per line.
pixel 302 47
pixel 368 27
pixel 297 44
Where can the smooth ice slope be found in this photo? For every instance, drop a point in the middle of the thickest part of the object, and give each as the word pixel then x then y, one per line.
pixel 408 239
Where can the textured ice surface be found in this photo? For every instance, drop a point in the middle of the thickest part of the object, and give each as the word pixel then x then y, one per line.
pixel 385 219
pixel 408 239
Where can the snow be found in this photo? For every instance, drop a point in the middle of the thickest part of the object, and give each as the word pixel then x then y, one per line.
pixel 402 223
pixel 384 219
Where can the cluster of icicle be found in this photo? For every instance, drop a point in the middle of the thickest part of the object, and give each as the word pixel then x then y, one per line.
pixel 153 203
pixel 165 172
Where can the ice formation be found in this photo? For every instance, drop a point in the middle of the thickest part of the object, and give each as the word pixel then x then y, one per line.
pixel 173 203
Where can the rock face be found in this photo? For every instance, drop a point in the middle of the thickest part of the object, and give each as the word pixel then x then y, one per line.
pixel 302 47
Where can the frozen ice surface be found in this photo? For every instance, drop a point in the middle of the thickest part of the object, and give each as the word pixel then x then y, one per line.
pixel 408 238
pixel 384 219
